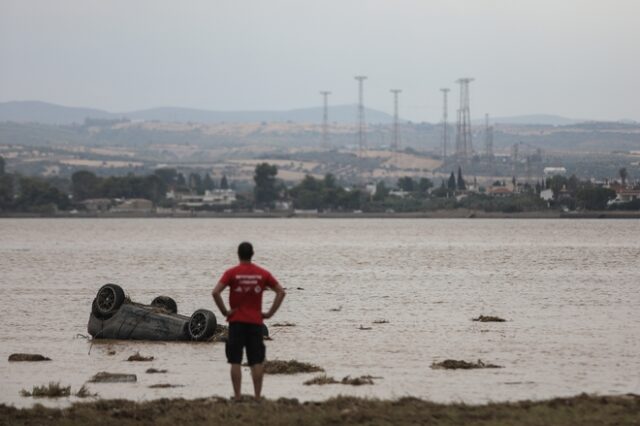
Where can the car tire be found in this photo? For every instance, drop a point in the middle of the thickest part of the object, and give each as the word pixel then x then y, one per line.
pixel 166 303
pixel 108 300
pixel 201 325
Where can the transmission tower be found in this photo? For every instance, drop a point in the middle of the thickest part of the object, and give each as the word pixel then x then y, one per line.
pixel 362 135
pixel 464 148
pixel 396 127
pixel 488 138
pixel 325 118
pixel 445 125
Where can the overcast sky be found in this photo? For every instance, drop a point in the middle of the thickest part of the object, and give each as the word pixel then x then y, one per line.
pixel 576 58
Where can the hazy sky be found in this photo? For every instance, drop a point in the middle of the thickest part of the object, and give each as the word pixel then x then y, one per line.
pixel 576 58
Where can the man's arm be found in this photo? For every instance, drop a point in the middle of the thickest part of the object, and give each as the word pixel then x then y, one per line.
pixel 280 293
pixel 217 297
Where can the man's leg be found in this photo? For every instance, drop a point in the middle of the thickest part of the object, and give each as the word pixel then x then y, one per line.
pixel 257 373
pixel 236 380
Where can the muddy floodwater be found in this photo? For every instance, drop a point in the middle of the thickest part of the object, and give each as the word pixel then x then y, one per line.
pixel 569 290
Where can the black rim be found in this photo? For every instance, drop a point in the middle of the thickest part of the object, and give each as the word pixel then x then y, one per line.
pixel 197 324
pixel 106 299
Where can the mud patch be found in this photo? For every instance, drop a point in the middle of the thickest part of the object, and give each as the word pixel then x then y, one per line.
pixel 290 367
pixel 452 364
pixel 488 318
pixel 104 377
pixel 28 357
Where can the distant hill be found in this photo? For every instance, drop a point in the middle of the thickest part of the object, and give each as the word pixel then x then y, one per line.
pixel 46 113
pixel 533 119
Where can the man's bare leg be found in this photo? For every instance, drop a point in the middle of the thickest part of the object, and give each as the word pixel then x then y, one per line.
pixel 257 373
pixel 236 379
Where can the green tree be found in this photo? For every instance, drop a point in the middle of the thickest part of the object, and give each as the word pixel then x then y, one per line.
pixel 224 184
pixel 461 184
pixel 424 185
pixel 381 191
pixel 451 184
pixel 84 185
pixel 38 195
pixel 2 165
pixel 594 198
pixel 195 183
pixel 406 183
pixel 6 192
pixel 623 175
pixel 168 175
pixel 208 183
pixel 265 192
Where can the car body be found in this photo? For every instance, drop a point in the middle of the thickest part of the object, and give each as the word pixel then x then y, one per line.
pixel 113 316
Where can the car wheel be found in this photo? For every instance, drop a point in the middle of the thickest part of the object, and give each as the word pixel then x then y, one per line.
pixel 166 303
pixel 202 325
pixel 108 300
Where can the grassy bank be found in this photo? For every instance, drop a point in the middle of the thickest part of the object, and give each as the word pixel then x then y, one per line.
pixel 579 410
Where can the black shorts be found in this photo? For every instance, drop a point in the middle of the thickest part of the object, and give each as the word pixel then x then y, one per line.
pixel 245 335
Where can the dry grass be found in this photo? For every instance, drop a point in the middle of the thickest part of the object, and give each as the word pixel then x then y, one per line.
pixel 83 392
pixel 52 390
pixel 357 381
pixel 381 321
pixel 322 379
pixel 579 410
pixel 138 357
pixel 453 364
pixel 221 334
pixel 289 367
pixel 488 318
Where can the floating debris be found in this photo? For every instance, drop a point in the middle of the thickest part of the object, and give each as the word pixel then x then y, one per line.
pixel 138 357
pixel 52 390
pixel 338 309
pixel 28 357
pixel 221 334
pixel 104 377
pixel 452 364
pixel 111 351
pixel 289 367
pixel 323 379
pixel 155 371
pixel 164 386
pixel 487 318
pixel 283 324
pixel 83 392
pixel 347 380
pixel 381 321
pixel 364 328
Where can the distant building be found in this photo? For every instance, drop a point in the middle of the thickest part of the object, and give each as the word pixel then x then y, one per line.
pixel 500 191
pixel 546 194
pixel 553 171
pixel 97 205
pixel 134 205
pixel 213 198
pixel 398 193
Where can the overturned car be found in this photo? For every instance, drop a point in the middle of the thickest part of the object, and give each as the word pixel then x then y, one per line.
pixel 113 316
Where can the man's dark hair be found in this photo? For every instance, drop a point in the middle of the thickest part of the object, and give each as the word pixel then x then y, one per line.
pixel 245 251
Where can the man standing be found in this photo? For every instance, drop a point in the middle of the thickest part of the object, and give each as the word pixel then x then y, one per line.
pixel 246 282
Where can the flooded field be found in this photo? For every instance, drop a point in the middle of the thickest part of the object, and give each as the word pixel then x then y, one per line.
pixel 385 298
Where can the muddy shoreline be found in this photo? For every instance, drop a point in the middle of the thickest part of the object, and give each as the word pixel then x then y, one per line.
pixel 438 214
pixel 582 409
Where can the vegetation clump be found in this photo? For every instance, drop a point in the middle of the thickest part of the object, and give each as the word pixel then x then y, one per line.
pixel 28 357
pixel 138 357
pixel 452 364
pixel 322 379
pixel 104 377
pixel 155 371
pixel 381 321
pixel 357 381
pixel 52 390
pixel 164 386
pixel 488 318
pixel 289 367
pixel 84 392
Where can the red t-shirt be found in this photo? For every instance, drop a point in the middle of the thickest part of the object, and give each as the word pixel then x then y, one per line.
pixel 246 283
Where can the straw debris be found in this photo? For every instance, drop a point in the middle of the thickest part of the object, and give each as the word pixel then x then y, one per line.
pixel 488 318
pixel 138 357
pixel 452 364
pixel 323 379
pixel 283 324
pixel 381 321
pixel 104 377
pixel 164 386
pixel 155 371
pixel 289 367
pixel 83 392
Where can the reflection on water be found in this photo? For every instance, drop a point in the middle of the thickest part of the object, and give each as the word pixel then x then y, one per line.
pixel 568 288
